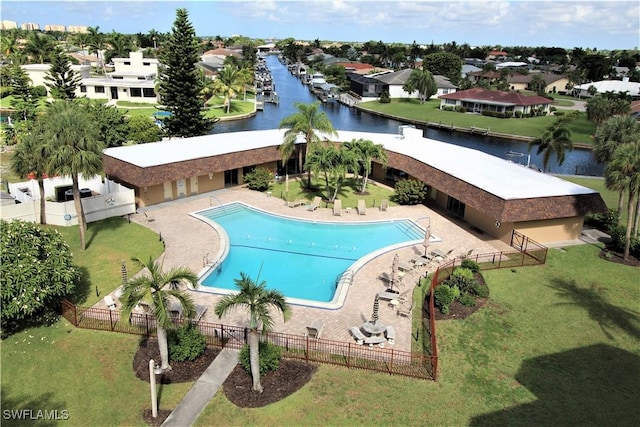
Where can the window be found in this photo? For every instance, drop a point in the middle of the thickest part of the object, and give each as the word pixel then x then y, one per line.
pixel 146 64
pixel 83 89
pixel 142 78
pixel 135 92
pixel 455 206
pixel 127 62
pixel 99 89
pixel 117 77
pixel 148 92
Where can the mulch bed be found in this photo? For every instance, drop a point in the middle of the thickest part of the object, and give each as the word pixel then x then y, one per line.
pixel 457 310
pixel 289 378
pixel 610 255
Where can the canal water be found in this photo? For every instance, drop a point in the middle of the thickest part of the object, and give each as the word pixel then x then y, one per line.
pixel 291 90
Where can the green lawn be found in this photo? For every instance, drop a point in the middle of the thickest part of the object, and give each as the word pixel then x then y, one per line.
pixel 581 128
pixel 558 343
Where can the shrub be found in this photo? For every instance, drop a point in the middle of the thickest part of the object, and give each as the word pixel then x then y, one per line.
pixel 606 221
pixel 518 114
pixel 384 98
pixel 186 343
pixel 470 265
pixel 467 300
pixel 618 237
pixel 5 91
pixel 258 179
pixel 461 278
pixel 481 291
pixel 444 296
pixel 269 357
pixel 38 91
pixel 410 192
pixel 461 109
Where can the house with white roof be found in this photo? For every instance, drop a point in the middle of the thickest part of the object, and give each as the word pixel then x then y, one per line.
pixel 134 80
pixel 603 86
pixel 492 195
pixel 37 73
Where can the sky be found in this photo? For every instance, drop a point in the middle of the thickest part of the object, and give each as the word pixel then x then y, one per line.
pixel 603 25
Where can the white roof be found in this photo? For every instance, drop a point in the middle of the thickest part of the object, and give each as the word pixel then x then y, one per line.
pixel 497 176
pixel 613 86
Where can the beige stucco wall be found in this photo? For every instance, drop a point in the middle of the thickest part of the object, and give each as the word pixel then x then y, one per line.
pixel 150 195
pixel 552 230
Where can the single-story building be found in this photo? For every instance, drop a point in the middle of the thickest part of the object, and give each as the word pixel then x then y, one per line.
pixel 554 83
pixel 373 85
pixel 477 100
pixel 604 86
pixel 493 195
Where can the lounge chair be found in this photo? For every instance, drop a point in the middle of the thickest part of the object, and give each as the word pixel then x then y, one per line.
pixel 362 207
pixel 388 296
pixel 109 302
pixel 404 311
pixel 296 203
pixel 315 329
pixel 149 218
pixel 337 207
pixel 314 204
pixel 390 334
pixel 357 335
pixel 384 205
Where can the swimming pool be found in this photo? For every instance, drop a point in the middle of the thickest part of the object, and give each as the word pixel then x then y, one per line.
pixel 308 261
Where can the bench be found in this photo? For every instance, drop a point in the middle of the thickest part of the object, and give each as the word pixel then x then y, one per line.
pixel 374 340
pixel 357 335
pixel 390 333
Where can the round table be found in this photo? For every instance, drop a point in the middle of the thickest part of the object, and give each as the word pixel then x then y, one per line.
pixel 371 328
pixel 394 303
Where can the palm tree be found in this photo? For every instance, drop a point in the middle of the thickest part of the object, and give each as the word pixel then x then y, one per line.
pixel 75 148
pixel 365 151
pixel 306 121
pixel 333 162
pixel 610 135
pixel 556 138
pixel 625 163
pixel 229 83
pixel 422 81
pixel 29 160
pixel 257 299
pixel 38 47
pixel 157 289
pixel 97 43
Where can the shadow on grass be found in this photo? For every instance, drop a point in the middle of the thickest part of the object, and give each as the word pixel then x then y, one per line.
pixel 595 385
pixel 34 410
pixel 608 316
pixel 83 287
pixel 109 224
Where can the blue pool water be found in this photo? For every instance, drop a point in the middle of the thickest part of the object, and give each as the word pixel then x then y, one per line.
pixel 303 259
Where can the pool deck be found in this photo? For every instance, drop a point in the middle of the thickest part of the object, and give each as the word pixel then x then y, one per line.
pixel 189 241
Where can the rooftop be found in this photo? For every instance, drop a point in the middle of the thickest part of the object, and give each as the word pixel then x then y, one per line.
pixel 497 176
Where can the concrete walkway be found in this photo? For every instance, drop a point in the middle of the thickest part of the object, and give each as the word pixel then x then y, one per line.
pixel 194 402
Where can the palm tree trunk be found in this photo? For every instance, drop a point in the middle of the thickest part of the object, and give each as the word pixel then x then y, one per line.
pixel 164 349
pixel 630 209
pixel 82 226
pixel 637 219
pixel 43 214
pixel 254 359
pixel 620 203
pixel 365 177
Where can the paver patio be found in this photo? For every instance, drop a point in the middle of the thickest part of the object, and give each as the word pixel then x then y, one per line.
pixel 190 242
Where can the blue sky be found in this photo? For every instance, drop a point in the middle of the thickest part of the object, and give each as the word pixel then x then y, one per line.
pixel 561 23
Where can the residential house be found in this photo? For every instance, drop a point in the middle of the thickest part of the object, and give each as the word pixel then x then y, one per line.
pixel 603 86
pixel 374 85
pixel 134 80
pixel 555 83
pixel 37 73
pixel 477 100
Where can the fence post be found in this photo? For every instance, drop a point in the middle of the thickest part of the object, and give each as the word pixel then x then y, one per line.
pixel 348 355
pixel 110 320
pixel 146 323
pixel 306 353
pixel 75 315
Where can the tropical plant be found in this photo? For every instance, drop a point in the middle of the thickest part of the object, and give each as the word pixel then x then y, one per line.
pixel 229 82
pixel 611 135
pixel 305 122
pixel 38 47
pixel 365 152
pixel 556 139
pixel 119 46
pixel 258 300
pixel 537 84
pixel 186 343
pixel 333 162
pixel 30 161
pixel 180 85
pixel 97 42
pixel 444 64
pixel 410 192
pixel 74 148
pixel 36 271
pixel 259 179
pixel 421 80
pixel 61 80
pixel 23 102
pixel 156 289
pixel 110 122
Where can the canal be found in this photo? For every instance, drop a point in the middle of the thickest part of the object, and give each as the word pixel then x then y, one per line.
pixel 291 90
